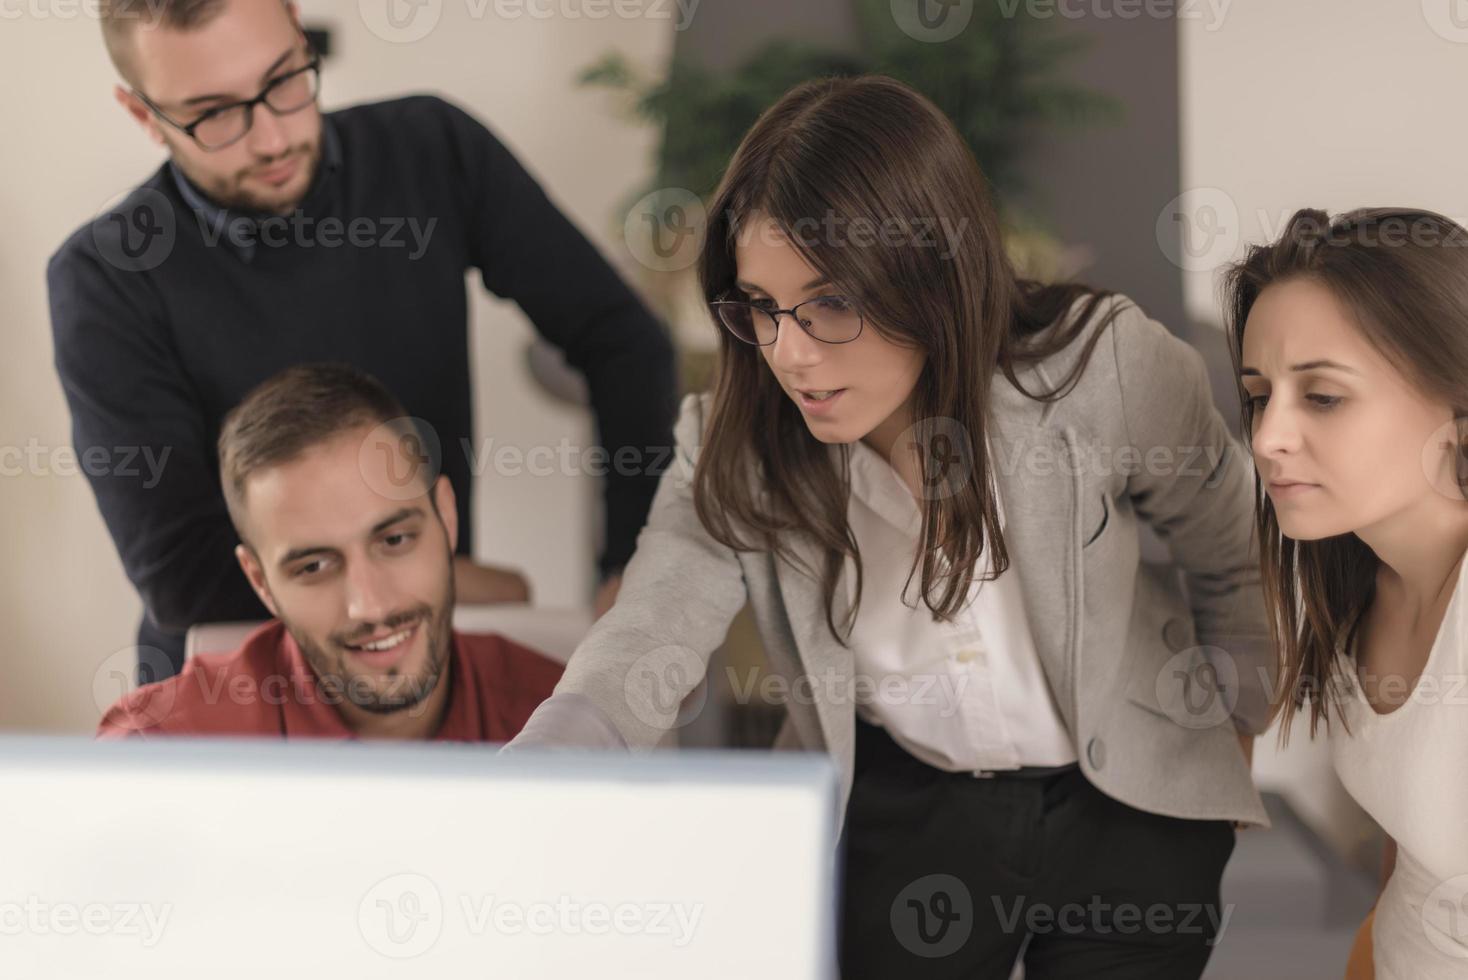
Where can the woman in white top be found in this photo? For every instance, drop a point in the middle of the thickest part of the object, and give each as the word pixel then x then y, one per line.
pixel 1351 338
pixel 927 479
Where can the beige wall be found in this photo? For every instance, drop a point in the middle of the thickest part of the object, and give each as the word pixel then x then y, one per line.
pixel 68 150
pixel 1332 104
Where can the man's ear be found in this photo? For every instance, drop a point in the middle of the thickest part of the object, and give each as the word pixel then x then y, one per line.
pixel 253 570
pixel 141 114
pixel 448 510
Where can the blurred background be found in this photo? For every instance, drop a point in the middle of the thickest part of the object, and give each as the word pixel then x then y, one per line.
pixel 1137 144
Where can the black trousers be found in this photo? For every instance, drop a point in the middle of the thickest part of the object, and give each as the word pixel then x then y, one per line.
pixel 951 876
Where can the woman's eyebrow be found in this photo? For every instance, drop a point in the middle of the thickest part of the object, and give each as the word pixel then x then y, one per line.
pixel 1249 372
pixel 750 287
pixel 1322 363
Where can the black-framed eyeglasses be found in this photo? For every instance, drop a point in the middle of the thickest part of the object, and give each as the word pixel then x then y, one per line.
pixel 829 319
pixel 226 124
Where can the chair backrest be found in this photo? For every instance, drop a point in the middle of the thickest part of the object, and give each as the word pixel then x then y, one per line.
pixel 553 632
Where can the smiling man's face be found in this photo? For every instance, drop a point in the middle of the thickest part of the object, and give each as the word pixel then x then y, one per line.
pixel 228 58
pixel 362 579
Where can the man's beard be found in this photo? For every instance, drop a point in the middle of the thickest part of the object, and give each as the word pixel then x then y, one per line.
pixel 230 192
pixel 402 693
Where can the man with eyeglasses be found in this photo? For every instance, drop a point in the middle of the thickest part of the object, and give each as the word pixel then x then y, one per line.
pixel 277 234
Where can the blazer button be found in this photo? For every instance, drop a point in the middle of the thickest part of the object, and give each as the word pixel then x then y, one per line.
pixel 1175 635
pixel 1096 752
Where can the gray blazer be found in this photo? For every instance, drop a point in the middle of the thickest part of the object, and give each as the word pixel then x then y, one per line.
pixel 1154 667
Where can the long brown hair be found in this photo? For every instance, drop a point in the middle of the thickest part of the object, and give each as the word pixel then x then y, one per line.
pixel 870 149
pixel 1403 276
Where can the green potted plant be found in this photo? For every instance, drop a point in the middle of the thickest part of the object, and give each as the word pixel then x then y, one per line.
pixel 999 80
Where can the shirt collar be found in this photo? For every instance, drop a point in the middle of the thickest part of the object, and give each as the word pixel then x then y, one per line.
pixel 876 485
pixel 235 229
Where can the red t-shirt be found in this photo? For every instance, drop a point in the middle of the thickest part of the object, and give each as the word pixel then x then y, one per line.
pixel 266 687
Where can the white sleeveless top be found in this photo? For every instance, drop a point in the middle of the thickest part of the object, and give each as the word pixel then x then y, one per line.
pixel 1409 770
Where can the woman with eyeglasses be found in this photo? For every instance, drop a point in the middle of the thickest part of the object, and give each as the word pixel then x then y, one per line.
pixel 1350 335
pixel 928 480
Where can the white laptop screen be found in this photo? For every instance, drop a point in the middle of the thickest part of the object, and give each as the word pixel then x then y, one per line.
pixel 279 860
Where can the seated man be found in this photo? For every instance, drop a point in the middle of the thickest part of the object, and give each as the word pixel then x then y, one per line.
pixel 348 538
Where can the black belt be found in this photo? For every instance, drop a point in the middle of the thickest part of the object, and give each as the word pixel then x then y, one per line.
pixel 1023 772
pixel 876 745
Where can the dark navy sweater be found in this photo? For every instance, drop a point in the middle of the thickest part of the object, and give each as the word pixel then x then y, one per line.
pixel 165 313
